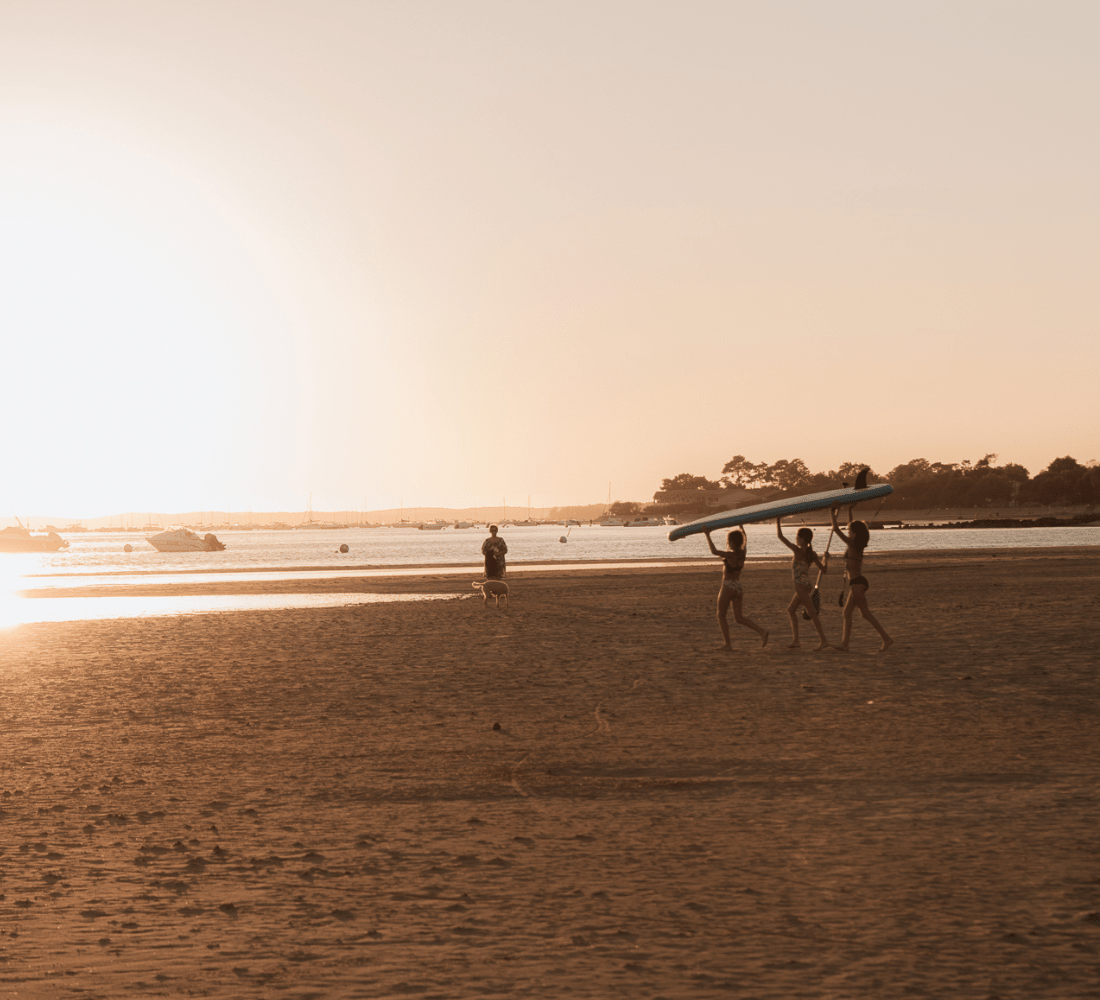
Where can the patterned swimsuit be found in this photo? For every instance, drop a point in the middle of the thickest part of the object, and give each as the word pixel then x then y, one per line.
pixel 733 562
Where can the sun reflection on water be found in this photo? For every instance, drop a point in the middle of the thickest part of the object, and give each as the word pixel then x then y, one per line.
pixel 15 610
pixel 14 566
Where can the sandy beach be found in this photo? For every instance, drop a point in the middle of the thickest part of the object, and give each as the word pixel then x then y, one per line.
pixel 580 795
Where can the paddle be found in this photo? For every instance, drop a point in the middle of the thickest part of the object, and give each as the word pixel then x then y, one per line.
pixel 815 597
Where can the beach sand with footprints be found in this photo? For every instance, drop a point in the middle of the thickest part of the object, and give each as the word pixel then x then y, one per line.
pixel 578 796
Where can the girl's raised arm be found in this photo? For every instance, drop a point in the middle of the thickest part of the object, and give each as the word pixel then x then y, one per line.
pixel 836 527
pixel 782 537
pixel 711 544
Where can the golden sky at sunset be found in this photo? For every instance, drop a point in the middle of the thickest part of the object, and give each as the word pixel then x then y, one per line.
pixel 448 253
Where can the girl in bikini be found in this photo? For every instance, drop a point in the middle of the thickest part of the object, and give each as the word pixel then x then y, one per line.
pixel 732 592
pixel 804 558
pixel 857 538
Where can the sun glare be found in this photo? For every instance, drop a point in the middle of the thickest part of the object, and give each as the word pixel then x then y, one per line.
pixel 147 304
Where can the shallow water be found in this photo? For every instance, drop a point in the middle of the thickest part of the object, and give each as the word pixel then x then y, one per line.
pixel 98 554
pixel 95 560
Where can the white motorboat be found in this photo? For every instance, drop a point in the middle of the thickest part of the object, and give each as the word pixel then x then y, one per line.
pixel 645 522
pixel 184 540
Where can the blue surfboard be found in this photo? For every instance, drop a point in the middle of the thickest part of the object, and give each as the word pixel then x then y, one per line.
pixel 780 508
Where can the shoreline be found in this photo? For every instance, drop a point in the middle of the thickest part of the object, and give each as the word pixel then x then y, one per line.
pixel 390 578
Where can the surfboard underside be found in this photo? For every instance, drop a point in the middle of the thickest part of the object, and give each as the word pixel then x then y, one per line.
pixel 780 508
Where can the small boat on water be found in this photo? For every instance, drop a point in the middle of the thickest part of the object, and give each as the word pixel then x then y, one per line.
pixel 21 540
pixel 610 522
pixel 184 540
pixel 645 522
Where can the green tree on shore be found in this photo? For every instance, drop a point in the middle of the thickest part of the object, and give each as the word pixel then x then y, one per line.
pixel 918 483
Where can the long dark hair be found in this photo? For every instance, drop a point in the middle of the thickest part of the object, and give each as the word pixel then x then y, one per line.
pixel 859 534
pixel 735 540
pixel 806 533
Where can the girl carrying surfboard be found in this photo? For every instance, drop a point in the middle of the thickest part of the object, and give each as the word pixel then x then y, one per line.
pixel 857 538
pixel 732 592
pixel 804 558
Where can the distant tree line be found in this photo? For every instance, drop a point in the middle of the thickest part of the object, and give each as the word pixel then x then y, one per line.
pixel 918 484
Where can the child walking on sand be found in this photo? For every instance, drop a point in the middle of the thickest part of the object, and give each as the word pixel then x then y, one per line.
pixel 732 592
pixel 804 558
pixel 857 538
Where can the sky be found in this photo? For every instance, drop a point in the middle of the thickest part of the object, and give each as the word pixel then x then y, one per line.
pixel 362 255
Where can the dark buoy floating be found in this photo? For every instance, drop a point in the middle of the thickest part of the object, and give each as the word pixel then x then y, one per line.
pixel 344 547
pixel 563 539
pixel 127 547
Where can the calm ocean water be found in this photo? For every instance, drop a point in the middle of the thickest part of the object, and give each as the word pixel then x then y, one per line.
pixel 95 560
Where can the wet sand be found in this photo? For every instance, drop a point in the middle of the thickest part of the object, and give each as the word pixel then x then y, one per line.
pixel 317 803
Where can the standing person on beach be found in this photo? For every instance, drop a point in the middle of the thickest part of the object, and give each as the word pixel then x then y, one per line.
pixel 733 560
pixel 857 538
pixel 804 558
pixel 494 549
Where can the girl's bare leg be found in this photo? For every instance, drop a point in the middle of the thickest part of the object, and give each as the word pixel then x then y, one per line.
pixel 849 608
pixel 796 603
pixel 747 622
pixel 723 607
pixel 857 598
pixel 804 598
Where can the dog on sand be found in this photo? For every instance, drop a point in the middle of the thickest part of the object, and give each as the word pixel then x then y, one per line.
pixel 492 588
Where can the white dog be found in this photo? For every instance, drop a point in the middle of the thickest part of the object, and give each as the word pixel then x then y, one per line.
pixel 494 588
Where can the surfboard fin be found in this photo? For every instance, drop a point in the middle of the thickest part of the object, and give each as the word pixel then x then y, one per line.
pixel 861 479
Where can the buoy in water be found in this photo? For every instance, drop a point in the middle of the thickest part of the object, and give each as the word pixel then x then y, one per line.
pixel 563 539
pixel 344 547
pixel 127 547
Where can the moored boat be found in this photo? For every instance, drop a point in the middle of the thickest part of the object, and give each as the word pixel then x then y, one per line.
pixel 184 540
pixel 21 540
